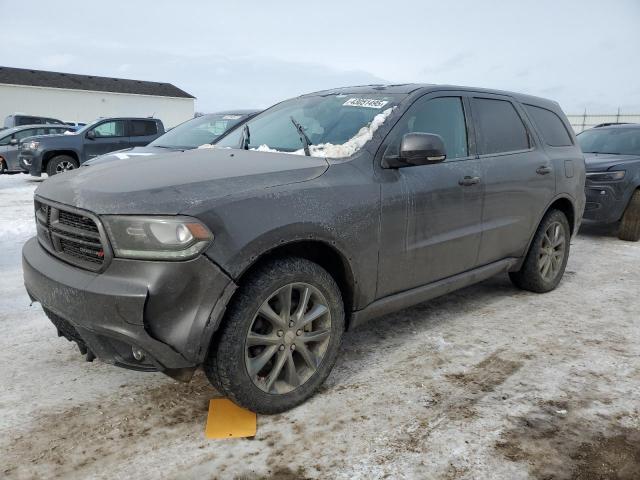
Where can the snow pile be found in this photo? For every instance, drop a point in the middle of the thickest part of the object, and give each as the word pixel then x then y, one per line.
pixel 346 149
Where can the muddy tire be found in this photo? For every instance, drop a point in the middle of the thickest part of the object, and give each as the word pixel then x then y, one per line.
pixel 630 224
pixel 547 257
pixel 61 164
pixel 280 336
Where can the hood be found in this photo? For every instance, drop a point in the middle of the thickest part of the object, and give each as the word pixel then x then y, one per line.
pixel 57 139
pixel 129 153
pixel 174 182
pixel 599 162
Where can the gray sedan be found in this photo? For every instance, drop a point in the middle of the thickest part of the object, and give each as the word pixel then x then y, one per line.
pixel 11 137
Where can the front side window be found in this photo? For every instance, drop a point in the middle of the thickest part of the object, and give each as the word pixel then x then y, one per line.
pixel 337 125
pixel 110 129
pixel 617 141
pixel 501 128
pixel 441 116
pixel 142 128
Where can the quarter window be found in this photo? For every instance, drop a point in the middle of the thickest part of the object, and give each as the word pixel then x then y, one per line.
pixel 110 129
pixel 501 127
pixel 442 116
pixel 142 128
pixel 550 126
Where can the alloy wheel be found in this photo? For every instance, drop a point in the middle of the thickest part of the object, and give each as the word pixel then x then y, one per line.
pixel 64 166
pixel 552 251
pixel 288 338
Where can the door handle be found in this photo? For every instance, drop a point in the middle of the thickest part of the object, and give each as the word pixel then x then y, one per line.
pixel 468 181
pixel 543 170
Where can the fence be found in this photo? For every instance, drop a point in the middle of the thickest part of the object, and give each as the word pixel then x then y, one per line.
pixel 586 120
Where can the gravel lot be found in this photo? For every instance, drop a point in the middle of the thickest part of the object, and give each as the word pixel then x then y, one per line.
pixel 487 382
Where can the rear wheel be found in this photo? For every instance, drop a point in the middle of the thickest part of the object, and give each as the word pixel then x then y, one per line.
pixel 61 164
pixel 630 224
pixel 280 337
pixel 547 257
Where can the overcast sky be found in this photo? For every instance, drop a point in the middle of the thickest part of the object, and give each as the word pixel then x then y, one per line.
pixel 584 54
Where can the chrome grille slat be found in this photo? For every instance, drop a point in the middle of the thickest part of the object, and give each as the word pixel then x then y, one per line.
pixel 70 235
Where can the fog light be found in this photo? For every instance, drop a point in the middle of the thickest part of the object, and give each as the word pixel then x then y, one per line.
pixel 138 354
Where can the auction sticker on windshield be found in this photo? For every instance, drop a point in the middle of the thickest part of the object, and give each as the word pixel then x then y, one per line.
pixel 365 102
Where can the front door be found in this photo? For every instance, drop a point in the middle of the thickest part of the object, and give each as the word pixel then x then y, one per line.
pixel 431 216
pixel 108 136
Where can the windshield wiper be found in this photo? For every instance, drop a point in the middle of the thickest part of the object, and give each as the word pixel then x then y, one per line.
pixel 245 138
pixel 303 137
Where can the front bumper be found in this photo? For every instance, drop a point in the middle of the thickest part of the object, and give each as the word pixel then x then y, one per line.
pixel 169 310
pixel 31 162
pixel 606 202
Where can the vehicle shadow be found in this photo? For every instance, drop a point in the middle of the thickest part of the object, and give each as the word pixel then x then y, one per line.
pixel 598 230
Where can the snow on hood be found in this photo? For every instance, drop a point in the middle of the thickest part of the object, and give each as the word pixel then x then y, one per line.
pixel 346 149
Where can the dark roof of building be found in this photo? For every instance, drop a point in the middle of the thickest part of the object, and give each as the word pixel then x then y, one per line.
pixel 41 78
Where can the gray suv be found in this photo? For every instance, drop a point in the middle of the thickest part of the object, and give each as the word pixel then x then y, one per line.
pixel 55 154
pixel 316 215
pixel 10 140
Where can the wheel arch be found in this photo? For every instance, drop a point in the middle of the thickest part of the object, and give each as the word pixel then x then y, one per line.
pixel 324 253
pixel 47 156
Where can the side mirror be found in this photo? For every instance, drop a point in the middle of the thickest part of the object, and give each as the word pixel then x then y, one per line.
pixel 91 135
pixel 13 142
pixel 417 149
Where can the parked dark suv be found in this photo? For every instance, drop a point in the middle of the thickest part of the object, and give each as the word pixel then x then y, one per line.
pixel 11 137
pixel 612 154
pixel 59 153
pixel 319 213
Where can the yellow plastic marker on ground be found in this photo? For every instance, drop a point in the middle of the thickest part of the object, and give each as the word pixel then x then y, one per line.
pixel 228 420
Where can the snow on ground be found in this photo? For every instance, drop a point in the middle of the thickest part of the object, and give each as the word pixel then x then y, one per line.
pixel 487 382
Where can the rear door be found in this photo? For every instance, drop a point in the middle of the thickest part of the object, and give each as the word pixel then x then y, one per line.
pixel 109 136
pixel 518 177
pixel 142 132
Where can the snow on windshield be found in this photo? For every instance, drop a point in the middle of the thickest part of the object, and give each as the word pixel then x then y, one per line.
pixel 346 149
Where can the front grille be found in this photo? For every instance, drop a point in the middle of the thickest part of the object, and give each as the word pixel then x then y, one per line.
pixel 72 235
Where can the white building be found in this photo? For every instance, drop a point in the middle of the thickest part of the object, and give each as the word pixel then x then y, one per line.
pixel 83 98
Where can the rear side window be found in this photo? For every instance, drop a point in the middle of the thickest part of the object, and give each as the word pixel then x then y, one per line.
pixel 142 128
pixel 550 126
pixel 501 127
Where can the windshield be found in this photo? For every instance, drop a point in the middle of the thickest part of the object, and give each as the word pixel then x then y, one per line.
pixel 197 131
pixel 334 125
pixel 619 141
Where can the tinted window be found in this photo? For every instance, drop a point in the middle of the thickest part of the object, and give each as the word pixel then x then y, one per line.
pixel 27 121
pixel 141 128
pixel 29 133
pixel 550 126
pixel 500 125
pixel 110 129
pixel 442 116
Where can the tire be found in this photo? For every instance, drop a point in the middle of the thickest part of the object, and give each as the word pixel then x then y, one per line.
pixel 60 164
pixel 3 166
pixel 547 257
pixel 291 349
pixel 630 224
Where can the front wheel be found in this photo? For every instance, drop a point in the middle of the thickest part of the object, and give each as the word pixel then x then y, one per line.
pixel 630 224
pixel 61 164
pixel 547 257
pixel 280 337
pixel 3 166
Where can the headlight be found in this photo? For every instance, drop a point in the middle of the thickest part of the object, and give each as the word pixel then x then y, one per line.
pixel 606 176
pixel 32 145
pixel 157 238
